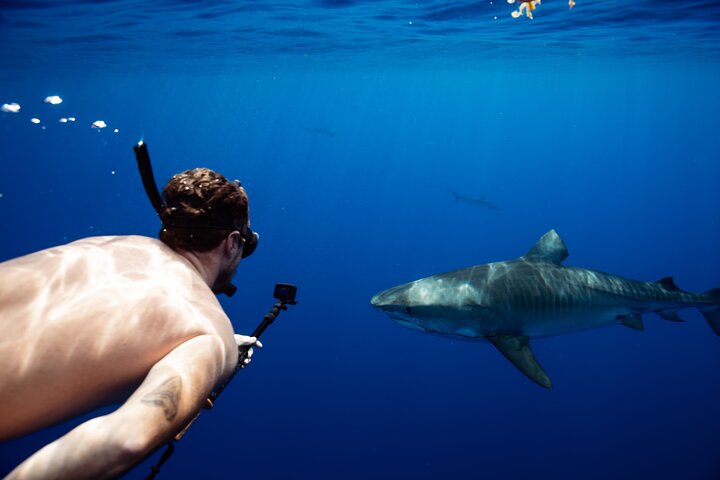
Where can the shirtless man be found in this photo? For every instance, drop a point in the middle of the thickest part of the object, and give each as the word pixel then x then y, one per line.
pixel 130 320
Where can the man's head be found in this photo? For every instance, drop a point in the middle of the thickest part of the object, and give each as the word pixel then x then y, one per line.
pixel 203 208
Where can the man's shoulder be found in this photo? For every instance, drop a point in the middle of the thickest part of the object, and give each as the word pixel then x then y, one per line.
pixel 147 263
pixel 164 276
pixel 119 240
pixel 124 246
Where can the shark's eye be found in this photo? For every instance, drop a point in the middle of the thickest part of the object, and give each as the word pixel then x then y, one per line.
pixel 408 309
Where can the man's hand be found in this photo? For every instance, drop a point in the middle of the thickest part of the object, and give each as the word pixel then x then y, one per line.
pixel 245 341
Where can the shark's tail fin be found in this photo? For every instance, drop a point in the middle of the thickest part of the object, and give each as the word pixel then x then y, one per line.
pixel 455 195
pixel 712 312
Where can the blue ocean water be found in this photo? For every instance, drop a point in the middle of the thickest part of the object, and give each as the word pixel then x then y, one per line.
pixel 348 122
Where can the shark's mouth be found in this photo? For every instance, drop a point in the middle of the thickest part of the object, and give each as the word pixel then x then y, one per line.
pixel 425 329
pixel 411 325
pixel 421 328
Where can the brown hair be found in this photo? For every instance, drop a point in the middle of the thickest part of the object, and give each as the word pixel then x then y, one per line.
pixel 203 207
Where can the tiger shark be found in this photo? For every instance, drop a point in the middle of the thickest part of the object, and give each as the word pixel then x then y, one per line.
pixel 480 202
pixel 509 303
pixel 319 130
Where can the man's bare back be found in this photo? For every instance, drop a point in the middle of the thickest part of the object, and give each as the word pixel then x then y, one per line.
pixel 128 320
pixel 125 303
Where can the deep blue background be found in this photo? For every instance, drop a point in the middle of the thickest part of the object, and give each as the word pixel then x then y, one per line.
pixel 618 152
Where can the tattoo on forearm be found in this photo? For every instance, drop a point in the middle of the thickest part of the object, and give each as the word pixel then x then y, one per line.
pixel 165 396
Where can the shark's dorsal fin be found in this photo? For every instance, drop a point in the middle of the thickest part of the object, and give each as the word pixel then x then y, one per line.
pixel 668 283
pixel 550 248
pixel 517 350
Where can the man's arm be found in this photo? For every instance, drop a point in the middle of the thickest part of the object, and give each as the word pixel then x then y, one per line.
pixel 105 447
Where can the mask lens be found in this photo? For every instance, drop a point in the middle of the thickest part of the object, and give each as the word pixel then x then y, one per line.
pixel 251 242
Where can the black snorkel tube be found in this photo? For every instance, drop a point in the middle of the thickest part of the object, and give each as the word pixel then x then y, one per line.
pixel 148 178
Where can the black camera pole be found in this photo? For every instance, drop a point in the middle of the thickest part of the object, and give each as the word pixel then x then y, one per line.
pixel 268 319
pixel 285 300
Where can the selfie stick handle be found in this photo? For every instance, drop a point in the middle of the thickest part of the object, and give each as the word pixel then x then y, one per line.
pixel 268 319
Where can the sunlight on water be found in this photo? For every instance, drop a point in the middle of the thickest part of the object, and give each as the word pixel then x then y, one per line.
pixel 333 34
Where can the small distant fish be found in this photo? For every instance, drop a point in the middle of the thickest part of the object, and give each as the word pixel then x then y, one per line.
pixel 480 202
pixel 318 131
pixel 98 124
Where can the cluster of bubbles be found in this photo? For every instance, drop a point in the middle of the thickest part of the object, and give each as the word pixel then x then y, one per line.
pixel 52 100
pixel 14 108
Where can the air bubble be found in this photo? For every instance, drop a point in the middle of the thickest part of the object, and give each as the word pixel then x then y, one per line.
pixel 53 100
pixel 10 108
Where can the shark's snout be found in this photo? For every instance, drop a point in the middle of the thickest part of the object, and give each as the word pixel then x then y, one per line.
pixel 391 300
pixel 394 303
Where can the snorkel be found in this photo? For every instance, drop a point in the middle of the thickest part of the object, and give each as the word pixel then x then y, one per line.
pixel 148 179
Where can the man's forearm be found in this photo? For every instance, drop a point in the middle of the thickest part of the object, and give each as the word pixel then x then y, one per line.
pixel 173 391
pixel 92 450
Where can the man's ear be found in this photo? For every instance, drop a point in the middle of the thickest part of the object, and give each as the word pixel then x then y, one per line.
pixel 233 241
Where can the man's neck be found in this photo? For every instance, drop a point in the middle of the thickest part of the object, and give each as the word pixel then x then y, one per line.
pixel 207 264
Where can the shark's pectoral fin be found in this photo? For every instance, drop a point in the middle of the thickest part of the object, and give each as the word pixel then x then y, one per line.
pixel 670 316
pixel 633 321
pixel 517 350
